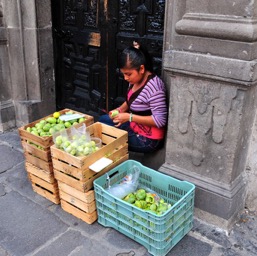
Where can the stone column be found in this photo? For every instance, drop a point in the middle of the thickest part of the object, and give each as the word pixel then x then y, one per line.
pixel 210 67
pixel 251 172
pixel 7 112
pixel 31 58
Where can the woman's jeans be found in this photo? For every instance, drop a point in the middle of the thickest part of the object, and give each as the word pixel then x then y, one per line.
pixel 136 142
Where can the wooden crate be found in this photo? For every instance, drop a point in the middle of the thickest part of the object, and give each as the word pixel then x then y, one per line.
pixel 74 171
pixel 41 157
pixel 46 189
pixel 81 205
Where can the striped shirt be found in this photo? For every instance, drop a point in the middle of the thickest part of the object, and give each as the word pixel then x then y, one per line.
pixel 151 100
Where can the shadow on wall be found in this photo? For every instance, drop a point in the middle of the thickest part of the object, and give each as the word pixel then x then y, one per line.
pixel 152 160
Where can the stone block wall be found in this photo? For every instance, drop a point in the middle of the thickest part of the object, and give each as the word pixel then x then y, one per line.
pixel 7 112
pixel 251 172
pixel 28 87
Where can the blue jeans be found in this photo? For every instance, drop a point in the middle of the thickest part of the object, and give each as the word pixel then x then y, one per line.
pixel 136 142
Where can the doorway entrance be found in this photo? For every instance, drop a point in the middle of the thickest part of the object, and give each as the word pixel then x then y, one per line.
pixel 88 37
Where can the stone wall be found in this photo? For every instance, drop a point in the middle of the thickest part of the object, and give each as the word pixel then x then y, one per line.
pixel 28 34
pixel 7 113
pixel 251 172
pixel 210 67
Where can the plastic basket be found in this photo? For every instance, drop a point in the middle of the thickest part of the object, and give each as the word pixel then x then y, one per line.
pixel 158 233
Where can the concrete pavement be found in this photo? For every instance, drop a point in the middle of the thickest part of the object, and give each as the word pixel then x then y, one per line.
pixel 32 225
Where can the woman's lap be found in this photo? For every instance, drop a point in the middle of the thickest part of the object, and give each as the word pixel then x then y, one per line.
pixel 136 142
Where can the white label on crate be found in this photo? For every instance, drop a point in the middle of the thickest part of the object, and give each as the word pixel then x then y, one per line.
pixel 100 164
pixel 70 117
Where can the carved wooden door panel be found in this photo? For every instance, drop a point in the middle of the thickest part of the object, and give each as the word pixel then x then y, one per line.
pixel 88 37
pixel 79 43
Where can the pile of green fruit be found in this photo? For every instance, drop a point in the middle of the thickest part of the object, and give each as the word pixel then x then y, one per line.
pixel 52 124
pixel 147 201
pixel 77 145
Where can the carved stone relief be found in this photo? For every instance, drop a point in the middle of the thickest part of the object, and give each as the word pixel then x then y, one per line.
pixel 205 116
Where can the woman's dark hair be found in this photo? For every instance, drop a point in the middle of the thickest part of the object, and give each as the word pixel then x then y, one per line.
pixel 132 57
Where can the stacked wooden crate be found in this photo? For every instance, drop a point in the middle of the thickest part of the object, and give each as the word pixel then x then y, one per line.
pixel 75 179
pixel 38 160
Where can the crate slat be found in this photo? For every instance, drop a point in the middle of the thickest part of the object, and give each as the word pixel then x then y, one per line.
pixel 41 173
pixel 45 193
pixel 86 197
pixel 53 187
pixel 86 217
pixel 45 165
pixel 86 207
pixel 41 154
pixel 45 189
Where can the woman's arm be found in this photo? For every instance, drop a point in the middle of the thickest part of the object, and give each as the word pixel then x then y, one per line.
pixel 123 107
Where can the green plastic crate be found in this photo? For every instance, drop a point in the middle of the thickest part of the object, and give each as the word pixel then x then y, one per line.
pixel 158 233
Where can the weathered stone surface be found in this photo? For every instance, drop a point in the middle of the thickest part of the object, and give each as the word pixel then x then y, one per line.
pixel 3 252
pixel 16 62
pixel 65 244
pixel 6 159
pixel 29 15
pixel 2 190
pixel 11 12
pixel 92 230
pixel 242 8
pixel 4 70
pixel 204 127
pixel 215 28
pixel 33 89
pixel 224 69
pixel 22 219
pixel 111 236
pixel 44 13
pixel 12 138
pixel 7 116
pixel 200 248
pixel 31 62
pixel 251 172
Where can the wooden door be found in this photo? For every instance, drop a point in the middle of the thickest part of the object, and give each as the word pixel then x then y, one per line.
pixel 88 37
pixel 141 21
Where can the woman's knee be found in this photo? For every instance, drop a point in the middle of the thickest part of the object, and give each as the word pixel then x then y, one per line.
pixel 105 119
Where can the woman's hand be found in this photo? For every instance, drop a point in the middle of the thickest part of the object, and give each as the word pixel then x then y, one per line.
pixel 121 118
pixel 113 113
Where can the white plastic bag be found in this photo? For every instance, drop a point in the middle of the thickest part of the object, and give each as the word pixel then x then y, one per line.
pixel 128 184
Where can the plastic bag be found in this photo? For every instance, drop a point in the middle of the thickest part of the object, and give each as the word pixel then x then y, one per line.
pixel 75 141
pixel 128 184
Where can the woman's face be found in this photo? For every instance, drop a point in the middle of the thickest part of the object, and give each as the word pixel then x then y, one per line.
pixel 133 76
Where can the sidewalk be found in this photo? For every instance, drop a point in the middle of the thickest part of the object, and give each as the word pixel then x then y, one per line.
pixel 32 225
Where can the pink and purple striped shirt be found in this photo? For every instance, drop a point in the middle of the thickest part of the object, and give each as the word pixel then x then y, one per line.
pixel 149 100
